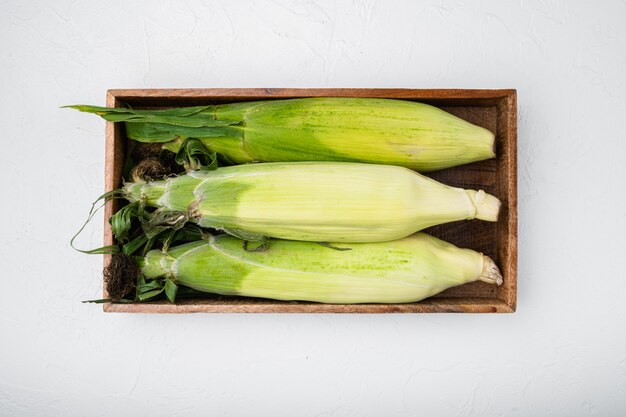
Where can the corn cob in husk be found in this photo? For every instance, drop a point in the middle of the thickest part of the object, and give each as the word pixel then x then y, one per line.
pixel 381 131
pixel 402 271
pixel 314 201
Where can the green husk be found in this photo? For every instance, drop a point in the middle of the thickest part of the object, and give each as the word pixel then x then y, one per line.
pixel 402 271
pixel 314 201
pixel 382 131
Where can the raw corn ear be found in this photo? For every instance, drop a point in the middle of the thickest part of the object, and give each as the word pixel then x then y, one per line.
pixel 382 131
pixel 315 201
pixel 402 271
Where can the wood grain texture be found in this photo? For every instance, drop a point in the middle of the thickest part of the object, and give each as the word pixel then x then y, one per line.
pixel 114 162
pixel 253 305
pixel 493 109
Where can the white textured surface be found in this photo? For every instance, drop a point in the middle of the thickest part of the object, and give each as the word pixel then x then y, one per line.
pixel 562 353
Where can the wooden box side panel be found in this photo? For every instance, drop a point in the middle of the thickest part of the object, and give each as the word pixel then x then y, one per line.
pixel 239 305
pixel 507 190
pixel 115 152
pixel 199 96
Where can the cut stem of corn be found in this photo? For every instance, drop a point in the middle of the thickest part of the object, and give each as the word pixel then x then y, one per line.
pixel 382 131
pixel 315 201
pixel 402 271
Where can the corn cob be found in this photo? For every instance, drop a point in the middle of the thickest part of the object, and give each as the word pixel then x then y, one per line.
pixel 402 271
pixel 314 201
pixel 381 131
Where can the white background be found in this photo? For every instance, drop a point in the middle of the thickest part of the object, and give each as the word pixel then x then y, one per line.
pixel 562 353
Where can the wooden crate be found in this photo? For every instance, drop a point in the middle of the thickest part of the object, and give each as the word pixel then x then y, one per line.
pixel 495 110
